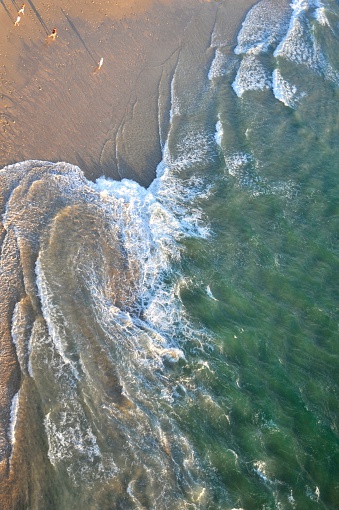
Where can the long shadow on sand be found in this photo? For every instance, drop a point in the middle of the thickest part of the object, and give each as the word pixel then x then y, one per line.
pixel 15 5
pixel 78 35
pixel 7 11
pixel 36 12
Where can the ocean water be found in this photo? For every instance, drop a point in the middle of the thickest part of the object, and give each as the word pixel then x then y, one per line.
pixel 176 347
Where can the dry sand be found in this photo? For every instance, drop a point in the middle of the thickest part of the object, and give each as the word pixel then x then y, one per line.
pixel 55 107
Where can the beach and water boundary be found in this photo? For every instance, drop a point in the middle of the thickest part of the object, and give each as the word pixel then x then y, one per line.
pixel 56 108
pixel 171 344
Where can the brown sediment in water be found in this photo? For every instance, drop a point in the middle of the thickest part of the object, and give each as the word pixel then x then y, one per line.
pixel 36 222
pixel 56 106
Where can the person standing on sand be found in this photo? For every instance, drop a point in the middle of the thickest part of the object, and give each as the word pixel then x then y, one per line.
pixel 99 65
pixel 22 10
pixel 16 24
pixel 53 34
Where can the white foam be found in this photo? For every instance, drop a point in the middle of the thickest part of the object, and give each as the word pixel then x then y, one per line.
pixel 314 495
pixel 291 31
pixel 252 75
pixel 299 45
pixel 300 7
pixel 219 133
pixel 222 64
pixel 13 418
pixel 68 437
pixel 17 333
pixel 263 27
pixel 320 16
pixel 152 223
pixel 285 91
pixel 261 470
pixel 175 102
pixel 209 293
pixel 217 66
pixel 243 168
pixel 53 317
pixel 71 442
pixel 13 422
pixel 236 162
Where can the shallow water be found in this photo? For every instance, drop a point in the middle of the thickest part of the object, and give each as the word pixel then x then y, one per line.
pixel 177 347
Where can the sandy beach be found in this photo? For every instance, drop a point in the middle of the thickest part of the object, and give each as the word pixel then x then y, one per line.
pixel 55 106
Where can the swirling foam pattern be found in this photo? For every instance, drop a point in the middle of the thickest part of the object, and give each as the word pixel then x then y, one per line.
pixel 81 384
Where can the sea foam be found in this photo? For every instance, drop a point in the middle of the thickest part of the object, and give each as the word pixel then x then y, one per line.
pixel 300 45
pixel 252 75
pixel 263 27
pixel 288 33
pixel 285 91
pixel 13 418
pixel 222 64
pixel 219 132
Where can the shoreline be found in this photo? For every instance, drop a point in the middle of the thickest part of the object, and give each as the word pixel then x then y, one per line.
pixel 56 105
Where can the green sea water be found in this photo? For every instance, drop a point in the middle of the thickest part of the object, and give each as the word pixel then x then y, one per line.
pixel 264 284
pixel 269 425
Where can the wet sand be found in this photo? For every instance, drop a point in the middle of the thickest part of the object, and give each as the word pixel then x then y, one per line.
pixel 54 106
